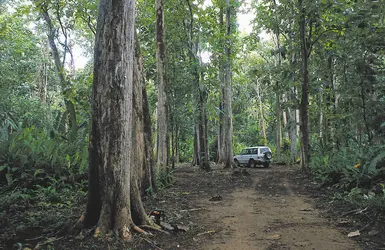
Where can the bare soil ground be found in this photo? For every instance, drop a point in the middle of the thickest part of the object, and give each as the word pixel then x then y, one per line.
pixel 258 208
pixel 243 208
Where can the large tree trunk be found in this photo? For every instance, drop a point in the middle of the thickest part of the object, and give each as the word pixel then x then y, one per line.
pixel 304 105
pixel 221 132
pixel 162 115
pixel 143 143
pixel 112 167
pixel 228 116
pixel 278 92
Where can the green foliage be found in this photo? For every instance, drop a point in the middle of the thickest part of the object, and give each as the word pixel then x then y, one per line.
pixel 350 168
pixel 164 178
pixel 34 153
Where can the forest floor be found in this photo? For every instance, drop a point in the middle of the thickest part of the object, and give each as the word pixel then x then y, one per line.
pixel 242 208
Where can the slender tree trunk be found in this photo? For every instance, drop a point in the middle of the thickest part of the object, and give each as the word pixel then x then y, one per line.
pixel 278 125
pixel 321 120
pixel 177 157
pixel 293 134
pixel 284 118
pixel 162 115
pixel 43 82
pixel 228 124
pixel 202 126
pixel 261 113
pixel 196 159
pixel 304 105
pixel 201 131
pixel 64 82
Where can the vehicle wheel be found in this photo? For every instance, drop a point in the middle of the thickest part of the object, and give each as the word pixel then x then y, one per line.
pixel 268 155
pixel 251 163
pixel 237 163
pixel 266 165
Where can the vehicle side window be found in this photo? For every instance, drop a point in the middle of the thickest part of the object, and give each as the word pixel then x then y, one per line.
pixel 256 151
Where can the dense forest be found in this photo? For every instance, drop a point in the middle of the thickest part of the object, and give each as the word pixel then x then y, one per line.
pixel 102 101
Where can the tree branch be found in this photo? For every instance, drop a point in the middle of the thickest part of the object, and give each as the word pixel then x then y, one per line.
pixel 319 36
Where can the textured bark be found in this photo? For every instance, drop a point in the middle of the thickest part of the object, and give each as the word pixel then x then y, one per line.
pixel 111 153
pixel 201 156
pixel 142 120
pixel 278 125
pixel 278 94
pixel 221 134
pixel 162 116
pixel 304 105
pixel 177 156
pixel 196 159
pixel 261 113
pixel 293 134
pixel 228 124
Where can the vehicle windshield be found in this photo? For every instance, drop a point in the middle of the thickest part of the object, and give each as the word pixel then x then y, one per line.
pixel 263 150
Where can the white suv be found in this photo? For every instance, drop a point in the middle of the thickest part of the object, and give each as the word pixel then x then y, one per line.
pixel 252 156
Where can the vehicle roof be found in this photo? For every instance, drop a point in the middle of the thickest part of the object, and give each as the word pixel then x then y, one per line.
pixel 256 147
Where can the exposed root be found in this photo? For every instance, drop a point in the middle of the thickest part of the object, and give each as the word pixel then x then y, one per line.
pixel 79 225
pixel 154 228
pixel 98 232
pixel 139 230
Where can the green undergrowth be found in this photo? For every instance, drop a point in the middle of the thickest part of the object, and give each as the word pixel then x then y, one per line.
pixel 355 175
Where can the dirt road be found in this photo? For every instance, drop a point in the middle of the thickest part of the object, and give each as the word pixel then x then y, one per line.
pixel 269 213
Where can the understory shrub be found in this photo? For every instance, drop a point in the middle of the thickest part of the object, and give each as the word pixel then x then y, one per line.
pixel 34 156
pixel 350 167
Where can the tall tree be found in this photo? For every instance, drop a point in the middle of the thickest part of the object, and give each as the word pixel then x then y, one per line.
pixel 162 145
pixel 201 154
pixel 113 196
pixel 44 8
pixel 228 124
pixel 221 75
pixel 304 105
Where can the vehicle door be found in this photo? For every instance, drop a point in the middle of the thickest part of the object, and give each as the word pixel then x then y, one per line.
pixel 242 156
pixel 246 156
pixel 254 154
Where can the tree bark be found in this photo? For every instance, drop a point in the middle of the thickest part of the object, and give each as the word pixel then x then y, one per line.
pixel 196 159
pixel 162 115
pixel 143 137
pixel 113 193
pixel 228 124
pixel 221 134
pixel 201 156
pixel 304 105
pixel 261 113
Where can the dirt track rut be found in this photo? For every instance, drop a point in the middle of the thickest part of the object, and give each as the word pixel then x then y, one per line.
pixel 270 214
